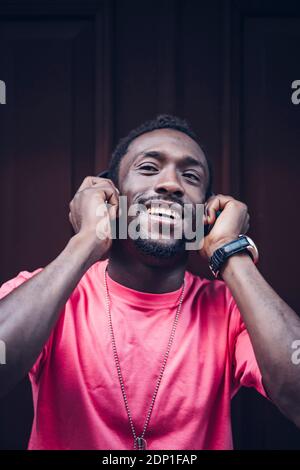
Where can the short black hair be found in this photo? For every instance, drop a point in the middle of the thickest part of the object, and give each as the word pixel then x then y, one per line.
pixel 163 121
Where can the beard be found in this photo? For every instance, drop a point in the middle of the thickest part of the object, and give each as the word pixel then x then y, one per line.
pixel 159 250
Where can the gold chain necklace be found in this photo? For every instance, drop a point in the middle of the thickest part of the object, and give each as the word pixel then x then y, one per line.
pixel 139 443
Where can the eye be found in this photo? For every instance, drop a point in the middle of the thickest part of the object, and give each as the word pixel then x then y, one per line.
pixel 148 167
pixel 192 176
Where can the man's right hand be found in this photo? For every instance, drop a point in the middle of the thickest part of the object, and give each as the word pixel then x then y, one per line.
pixel 30 312
pixel 90 216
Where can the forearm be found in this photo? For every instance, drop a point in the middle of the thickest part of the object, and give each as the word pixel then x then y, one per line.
pixel 272 326
pixel 28 314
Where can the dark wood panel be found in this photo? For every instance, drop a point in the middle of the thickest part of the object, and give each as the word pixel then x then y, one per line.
pixel 47 136
pixel 271 164
pixel 42 8
pixel 162 64
pixel 104 100
pixel 137 43
pixel 80 74
pixel 268 175
pixel 200 87
pixel 46 148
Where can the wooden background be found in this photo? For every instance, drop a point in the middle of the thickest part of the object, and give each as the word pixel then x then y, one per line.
pixel 80 74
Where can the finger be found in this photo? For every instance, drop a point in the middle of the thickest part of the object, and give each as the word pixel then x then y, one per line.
pixel 92 181
pixel 205 218
pixel 215 204
pixel 71 219
pixel 205 209
pixel 96 182
pixel 88 182
pixel 112 198
pixel 246 228
pixel 108 192
pixel 109 196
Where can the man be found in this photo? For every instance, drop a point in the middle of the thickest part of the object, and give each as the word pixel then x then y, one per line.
pixel 124 347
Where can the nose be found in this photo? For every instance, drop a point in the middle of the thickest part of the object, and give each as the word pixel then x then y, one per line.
pixel 168 183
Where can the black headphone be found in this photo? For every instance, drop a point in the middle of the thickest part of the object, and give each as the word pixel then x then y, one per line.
pixel 103 174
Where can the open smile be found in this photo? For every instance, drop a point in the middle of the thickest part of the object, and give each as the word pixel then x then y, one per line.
pixel 164 210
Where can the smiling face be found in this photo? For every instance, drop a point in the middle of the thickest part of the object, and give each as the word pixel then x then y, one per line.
pixel 164 167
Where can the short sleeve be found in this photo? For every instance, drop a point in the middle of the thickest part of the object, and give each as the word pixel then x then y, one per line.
pixel 245 368
pixel 5 289
pixel 15 282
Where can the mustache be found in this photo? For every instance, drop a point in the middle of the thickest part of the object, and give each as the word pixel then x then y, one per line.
pixel 162 200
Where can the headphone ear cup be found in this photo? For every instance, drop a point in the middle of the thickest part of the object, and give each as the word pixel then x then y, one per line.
pixel 106 174
pixel 208 195
pixel 103 174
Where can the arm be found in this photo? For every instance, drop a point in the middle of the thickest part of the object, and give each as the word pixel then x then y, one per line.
pixel 272 325
pixel 29 312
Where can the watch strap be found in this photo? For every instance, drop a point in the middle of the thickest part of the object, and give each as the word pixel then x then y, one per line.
pixel 224 252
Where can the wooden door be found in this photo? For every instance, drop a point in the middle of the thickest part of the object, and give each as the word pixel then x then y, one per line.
pixel 80 74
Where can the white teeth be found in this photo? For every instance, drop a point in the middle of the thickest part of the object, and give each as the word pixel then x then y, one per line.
pixel 162 211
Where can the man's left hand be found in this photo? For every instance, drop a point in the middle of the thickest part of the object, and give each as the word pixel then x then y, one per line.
pixel 232 222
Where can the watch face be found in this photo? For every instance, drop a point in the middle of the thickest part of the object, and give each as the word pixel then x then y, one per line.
pixel 242 244
pixel 235 245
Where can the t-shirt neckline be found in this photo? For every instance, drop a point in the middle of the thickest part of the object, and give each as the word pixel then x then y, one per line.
pixel 135 297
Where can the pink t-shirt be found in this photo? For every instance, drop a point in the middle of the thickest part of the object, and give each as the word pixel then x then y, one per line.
pixel 77 395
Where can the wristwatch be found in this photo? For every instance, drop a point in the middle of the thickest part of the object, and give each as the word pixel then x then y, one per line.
pixel 241 244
